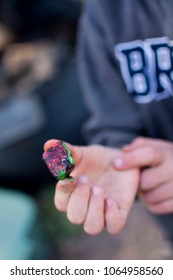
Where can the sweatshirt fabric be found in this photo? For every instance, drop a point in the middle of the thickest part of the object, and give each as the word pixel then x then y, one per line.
pixel 125 58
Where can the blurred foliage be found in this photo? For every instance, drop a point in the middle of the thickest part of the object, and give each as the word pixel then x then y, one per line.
pixel 55 222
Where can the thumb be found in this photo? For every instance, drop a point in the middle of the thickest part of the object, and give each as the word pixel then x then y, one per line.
pixel 76 151
pixel 140 157
pixel 65 187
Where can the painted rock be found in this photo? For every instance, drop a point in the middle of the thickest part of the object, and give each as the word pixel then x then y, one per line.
pixel 59 160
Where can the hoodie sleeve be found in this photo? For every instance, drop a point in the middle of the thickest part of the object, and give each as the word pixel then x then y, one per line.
pixel 114 117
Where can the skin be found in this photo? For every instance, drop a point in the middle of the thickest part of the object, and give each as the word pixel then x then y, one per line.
pixel 155 160
pixel 99 197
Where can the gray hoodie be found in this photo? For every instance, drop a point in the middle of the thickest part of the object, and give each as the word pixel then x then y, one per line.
pixel 125 58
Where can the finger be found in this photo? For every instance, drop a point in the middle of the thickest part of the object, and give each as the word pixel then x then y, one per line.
pixel 163 207
pixel 120 196
pixel 48 144
pixel 77 153
pixel 152 178
pixel 63 192
pixel 141 142
pixel 141 157
pixel 78 202
pixel 75 150
pixel 94 222
pixel 114 221
pixel 163 192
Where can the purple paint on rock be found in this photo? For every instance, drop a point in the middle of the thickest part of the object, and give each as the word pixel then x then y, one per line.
pixel 57 161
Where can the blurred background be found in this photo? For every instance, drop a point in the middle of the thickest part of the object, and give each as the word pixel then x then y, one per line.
pixel 40 99
pixel 39 92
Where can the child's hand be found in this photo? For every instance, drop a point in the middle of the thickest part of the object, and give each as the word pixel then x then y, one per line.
pixel 99 196
pixel 156 181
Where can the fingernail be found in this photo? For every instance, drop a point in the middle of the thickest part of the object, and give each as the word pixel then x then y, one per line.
pixel 82 179
pixel 109 202
pixel 96 190
pixel 119 162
